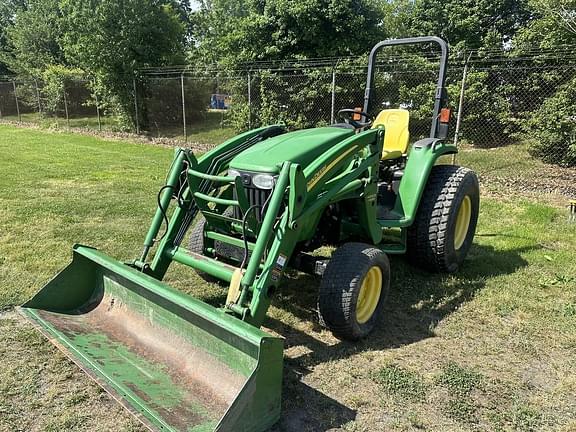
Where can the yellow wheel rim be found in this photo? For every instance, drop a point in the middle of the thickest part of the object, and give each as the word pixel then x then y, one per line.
pixel 462 222
pixel 369 294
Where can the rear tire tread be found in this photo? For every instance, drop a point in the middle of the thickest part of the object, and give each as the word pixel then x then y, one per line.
pixel 427 237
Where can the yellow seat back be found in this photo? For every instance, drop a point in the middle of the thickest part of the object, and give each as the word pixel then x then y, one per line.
pixel 395 122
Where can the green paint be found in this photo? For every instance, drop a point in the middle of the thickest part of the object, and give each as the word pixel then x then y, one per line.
pixel 418 168
pixel 127 329
pixel 112 359
pixel 301 147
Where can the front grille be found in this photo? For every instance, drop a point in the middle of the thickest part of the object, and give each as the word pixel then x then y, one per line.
pixel 255 197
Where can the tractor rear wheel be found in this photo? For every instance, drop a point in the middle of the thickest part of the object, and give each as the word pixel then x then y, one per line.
pixel 353 290
pixel 445 223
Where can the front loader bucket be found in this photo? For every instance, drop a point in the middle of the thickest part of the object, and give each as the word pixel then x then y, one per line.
pixel 175 362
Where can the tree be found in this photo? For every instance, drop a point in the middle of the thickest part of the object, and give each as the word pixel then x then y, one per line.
pixel 8 11
pixel 32 36
pixel 232 32
pixel 551 129
pixel 111 40
pixel 554 24
pixel 561 11
pixel 471 23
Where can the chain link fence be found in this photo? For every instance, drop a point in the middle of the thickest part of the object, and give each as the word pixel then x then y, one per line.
pixel 514 116
pixel 73 105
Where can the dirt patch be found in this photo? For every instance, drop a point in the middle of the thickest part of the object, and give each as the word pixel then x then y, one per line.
pixel 546 180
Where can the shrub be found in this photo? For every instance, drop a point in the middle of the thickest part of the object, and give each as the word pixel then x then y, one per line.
pixel 551 130
pixel 56 78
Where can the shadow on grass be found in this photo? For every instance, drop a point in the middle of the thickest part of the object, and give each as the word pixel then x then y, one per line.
pixel 305 409
pixel 417 302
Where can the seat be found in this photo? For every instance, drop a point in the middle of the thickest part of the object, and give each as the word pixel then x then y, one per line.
pixel 395 123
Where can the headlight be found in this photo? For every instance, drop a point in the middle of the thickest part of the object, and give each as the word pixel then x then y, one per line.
pixel 233 173
pixel 263 181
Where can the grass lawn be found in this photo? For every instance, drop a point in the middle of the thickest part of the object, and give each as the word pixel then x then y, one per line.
pixel 88 122
pixel 491 348
pixel 211 128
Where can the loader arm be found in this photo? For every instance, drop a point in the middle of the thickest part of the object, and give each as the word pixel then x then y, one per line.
pixel 348 170
pixel 175 362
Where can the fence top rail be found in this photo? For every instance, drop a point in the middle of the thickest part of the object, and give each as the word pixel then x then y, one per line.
pixel 562 53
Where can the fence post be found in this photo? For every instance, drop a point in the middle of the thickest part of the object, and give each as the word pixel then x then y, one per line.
pixel 16 99
pixel 333 100
pixel 66 105
pixel 460 106
pixel 249 104
pixel 183 107
pixel 136 107
pixel 98 111
pixel 38 96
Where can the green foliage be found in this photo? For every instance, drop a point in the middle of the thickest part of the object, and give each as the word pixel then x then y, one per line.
pixel 401 382
pixel 306 93
pixel 462 410
pixel 232 32
pixel 33 39
pixel 460 381
pixel 8 11
pixel 487 113
pixel 113 39
pixel 108 40
pixel 470 23
pixel 164 98
pixel 56 78
pixel 551 130
pixel 239 114
pixel 554 24
pixel 526 418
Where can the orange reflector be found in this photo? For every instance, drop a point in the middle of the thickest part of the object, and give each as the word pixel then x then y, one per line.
pixel 445 114
pixel 358 116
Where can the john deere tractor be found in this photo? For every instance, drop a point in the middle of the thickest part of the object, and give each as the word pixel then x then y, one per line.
pixel 241 214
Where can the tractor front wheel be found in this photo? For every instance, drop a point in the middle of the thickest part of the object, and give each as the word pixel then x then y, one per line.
pixel 353 290
pixel 223 250
pixel 446 219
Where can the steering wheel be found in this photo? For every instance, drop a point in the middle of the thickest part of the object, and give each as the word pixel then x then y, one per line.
pixel 347 115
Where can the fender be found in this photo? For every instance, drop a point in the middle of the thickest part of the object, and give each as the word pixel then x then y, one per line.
pixel 422 158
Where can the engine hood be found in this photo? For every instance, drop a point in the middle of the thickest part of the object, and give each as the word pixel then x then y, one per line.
pixel 301 147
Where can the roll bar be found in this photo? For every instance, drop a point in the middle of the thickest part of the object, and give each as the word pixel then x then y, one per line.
pixel 440 94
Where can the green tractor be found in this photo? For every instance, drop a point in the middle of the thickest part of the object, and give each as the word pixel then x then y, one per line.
pixel 242 214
